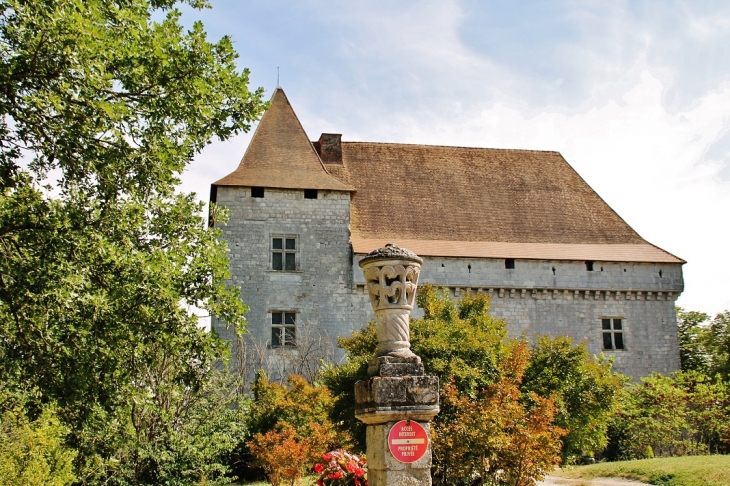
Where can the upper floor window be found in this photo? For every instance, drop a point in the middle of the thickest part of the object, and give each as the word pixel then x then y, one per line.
pixel 283 328
pixel 589 265
pixel 257 192
pixel 310 193
pixel 284 252
pixel 613 333
pixel 509 263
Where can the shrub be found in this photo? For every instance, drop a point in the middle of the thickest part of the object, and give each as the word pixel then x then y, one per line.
pixel 585 392
pixel 681 414
pixel 297 415
pixel 496 439
pixel 32 452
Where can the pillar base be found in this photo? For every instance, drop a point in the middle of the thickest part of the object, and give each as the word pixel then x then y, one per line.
pixel 382 401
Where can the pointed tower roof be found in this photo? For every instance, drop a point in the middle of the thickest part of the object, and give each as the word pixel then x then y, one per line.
pixel 281 155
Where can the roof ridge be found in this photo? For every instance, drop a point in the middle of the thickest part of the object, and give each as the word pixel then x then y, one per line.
pixel 453 147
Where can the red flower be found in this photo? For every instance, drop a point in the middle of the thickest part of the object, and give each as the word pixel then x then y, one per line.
pixel 357 482
pixel 336 475
pixel 359 472
pixel 320 483
pixel 327 457
pixel 318 468
pixel 351 466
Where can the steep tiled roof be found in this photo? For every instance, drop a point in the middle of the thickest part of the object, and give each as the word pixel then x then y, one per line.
pixel 477 202
pixel 281 155
pixel 423 192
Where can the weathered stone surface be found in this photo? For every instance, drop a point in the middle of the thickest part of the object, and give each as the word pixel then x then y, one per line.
pixel 391 251
pixel 383 399
pixel 395 366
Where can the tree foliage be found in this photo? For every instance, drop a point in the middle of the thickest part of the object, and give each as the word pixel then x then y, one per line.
pixel 682 414
pixel 585 392
pixel 704 343
pixel 102 108
pixel 495 438
pixel 292 427
pixel 33 452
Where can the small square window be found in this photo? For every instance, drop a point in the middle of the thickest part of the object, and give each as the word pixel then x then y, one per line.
pixel 613 336
pixel 283 328
pixel 257 192
pixel 509 263
pixel 284 253
pixel 310 193
pixel 589 266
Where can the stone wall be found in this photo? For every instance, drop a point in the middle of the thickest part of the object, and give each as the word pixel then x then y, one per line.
pixel 319 291
pixel 328 296
pixel 564 298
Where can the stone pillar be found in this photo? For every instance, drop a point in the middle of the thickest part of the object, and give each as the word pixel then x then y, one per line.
pixel 397 389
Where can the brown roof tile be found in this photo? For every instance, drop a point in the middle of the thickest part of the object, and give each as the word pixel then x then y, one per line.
pixel 420 192
pixel 281 155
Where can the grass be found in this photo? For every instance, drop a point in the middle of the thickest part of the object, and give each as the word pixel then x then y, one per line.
pixel 667 471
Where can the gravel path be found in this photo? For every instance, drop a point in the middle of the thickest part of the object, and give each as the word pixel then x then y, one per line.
pixel 556 481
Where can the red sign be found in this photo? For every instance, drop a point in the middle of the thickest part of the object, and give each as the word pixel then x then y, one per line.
pixel 408 441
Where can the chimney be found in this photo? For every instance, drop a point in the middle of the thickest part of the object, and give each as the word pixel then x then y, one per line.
pixel 329 148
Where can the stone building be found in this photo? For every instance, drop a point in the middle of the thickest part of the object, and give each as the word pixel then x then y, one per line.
pixel 520 225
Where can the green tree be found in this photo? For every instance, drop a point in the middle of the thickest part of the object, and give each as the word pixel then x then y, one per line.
pixel 717 343
pixel 585 392
pixel 684 413
pixel 102 108
pixel 692 339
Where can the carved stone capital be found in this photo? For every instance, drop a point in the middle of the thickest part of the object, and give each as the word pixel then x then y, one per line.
pixel 391 276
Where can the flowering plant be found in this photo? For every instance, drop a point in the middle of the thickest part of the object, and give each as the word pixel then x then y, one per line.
pixel 340 468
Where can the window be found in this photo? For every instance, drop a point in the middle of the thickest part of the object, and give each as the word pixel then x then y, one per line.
pixel 589 266
pixel 283 328
pixel 310 193
pixel 284 252
pixel 613 335
pixel 509 263
pixel 257 192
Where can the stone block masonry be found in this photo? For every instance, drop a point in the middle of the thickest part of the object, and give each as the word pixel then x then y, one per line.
pixel 326 291
pixel 317 291
pixel 563 298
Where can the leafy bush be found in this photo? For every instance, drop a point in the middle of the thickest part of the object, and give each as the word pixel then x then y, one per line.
pixel 585 392
pixel 682 414
pixel 292 427
pixel 33 452
pixel 170 434
pixel 495 438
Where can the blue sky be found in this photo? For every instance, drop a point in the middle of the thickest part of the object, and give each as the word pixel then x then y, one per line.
pixel 635 95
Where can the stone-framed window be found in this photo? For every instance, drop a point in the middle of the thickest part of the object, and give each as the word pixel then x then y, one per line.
pixel 285 253
pixel 613 333
pixel 283 328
